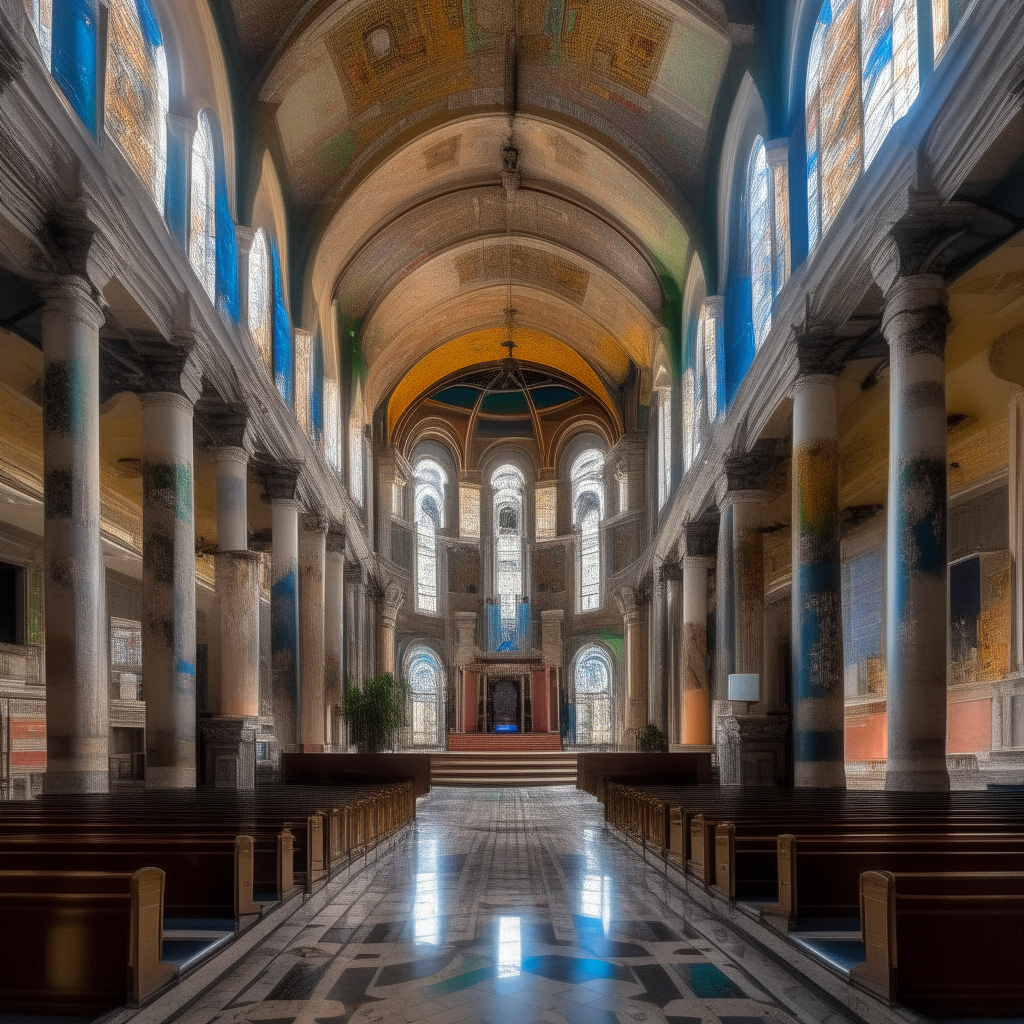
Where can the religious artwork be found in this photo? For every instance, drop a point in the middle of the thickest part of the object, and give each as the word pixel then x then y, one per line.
pixel 759 233
pixel 979 618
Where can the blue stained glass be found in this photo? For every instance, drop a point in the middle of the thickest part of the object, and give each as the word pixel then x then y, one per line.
pixel 759 199
pixel 150 26
pixel 74 57
pixel 316 398
pixel 227 245
pixel 284 368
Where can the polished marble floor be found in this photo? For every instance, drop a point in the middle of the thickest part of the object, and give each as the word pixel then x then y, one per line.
pixel 509 906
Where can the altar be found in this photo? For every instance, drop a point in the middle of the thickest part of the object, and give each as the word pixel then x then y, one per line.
pixel 508 693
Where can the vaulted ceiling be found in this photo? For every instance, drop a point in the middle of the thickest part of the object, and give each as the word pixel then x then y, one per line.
pixel 387 120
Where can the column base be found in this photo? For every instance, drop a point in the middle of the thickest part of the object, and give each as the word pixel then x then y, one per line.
pixel 819 775
pixel 230 751
pixel 76 782
pixel 752 750
pixel 911 781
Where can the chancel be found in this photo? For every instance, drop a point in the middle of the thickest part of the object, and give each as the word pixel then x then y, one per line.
pixel 511 511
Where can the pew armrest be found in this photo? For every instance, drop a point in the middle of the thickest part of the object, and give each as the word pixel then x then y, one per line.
pixel 878 932
pixel 245 858
pixel 147 975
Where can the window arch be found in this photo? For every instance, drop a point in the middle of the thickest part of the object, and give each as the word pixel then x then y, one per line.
pixel 587 476
pixel 260 315
pixel 426 689
pixel 508 486
pixel 202 242
pixel 428 515
pixel 356 447
pixel 137 92
pixel 592 682
pixel 862 77
pixel 759 233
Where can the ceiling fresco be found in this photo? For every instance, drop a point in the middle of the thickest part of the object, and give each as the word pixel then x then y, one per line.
pixel 640 72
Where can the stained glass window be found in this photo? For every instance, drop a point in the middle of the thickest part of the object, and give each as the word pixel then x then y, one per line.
pixel 546 501
pixel 137 92
pixel 40 13
pixel 592 678
pixel 760 233
pixel 425 679
pixel 331 446
pixel 508 486
pixel 303 378
pixel 664 444
pixel 355 447
pixel 689 410
pixel 259 298
pixel 469 511
pixel 708 351
pixel 587 475
pixel 202 242
pixel 889 77
pixel 429 518
pixel 780 223
pixel 946 16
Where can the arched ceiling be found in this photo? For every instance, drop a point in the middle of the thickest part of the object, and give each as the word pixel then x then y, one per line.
pixel 387 120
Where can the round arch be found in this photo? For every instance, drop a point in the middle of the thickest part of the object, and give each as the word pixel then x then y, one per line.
pixel 592 696
pixel 425 672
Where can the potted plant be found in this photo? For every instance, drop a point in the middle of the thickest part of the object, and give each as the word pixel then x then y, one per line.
pixel 376 713
pixel 651 741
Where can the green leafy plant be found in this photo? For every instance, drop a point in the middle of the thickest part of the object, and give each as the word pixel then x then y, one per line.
pixel 376 712
pixel 652 741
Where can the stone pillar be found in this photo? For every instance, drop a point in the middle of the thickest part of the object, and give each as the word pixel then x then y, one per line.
pixel 748 591
pixel 673 575
pixel 914 324
pixel 334 634
pixel 696 686
pixel 1016 427
pixel 657 688
pixel 169 588
pixel 77 698
pixel 312 553
pixel 635 657
pixel 355 593
pixel 389 606
pixel 232 491
pixel 818 699
pixel 284 620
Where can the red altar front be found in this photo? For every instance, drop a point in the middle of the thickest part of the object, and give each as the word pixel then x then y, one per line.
pixel 508 694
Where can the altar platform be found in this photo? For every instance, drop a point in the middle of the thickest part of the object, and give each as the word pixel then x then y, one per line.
pixel 505 743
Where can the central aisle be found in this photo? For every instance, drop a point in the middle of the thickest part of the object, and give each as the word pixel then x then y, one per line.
pixel 507 906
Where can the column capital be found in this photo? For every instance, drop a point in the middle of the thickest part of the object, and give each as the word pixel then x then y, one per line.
pixel 923 297
pixel 699 538
pixel 231 453
pixel 751 470
pixel 168 368
pixel 280 480
pixel 920 241
pixel 336 539
pixel 820 350
pixel 73 298
pixel 75 245
pixel 315 522
pixel 670 571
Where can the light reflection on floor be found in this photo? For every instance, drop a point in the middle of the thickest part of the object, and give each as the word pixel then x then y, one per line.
pixel 507 907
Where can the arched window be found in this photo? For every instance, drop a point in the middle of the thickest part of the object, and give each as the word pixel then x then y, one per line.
pixel 137 91
pixel 426 689
pixel 592 678
pixel 428 515
pixel 202 241
pixel 508 486
pixel 689 433
pixel 707 353
pixel 331 446
pixel 862 76
pixel 40 13
pixel 587 475
pixel 260 318
pixel 355 447
pixel 760 234
pixel 664 444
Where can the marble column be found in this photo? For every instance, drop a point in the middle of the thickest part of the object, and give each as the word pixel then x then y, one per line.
pixel 672 572
pixel 334 634
pixel 284 620
pixel 169 589
pixel 817 637
pixel 914 324
pixel 696 695
pixel 312 554
pixel 77 697
pixel 1016 515
pixel 390 603
pixel 657 691
pixel 635 658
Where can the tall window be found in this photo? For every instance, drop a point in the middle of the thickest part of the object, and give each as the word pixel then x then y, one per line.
pixel 664 444
pixel 508 486
pixel 946 15
pixel 331 447
pixel 425 679
pixel 862 76
pixel 429 518
pixel 592 677
pixel 689 432
pixel 355 447
pixel 259 298
pixel 40 13
pixel 303 379
pixel 137 91
pixel 202 241
pixel 760 230
pixel 587 475
pixel 707 356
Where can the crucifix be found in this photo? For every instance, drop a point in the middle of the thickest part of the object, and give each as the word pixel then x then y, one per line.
pixel 510 344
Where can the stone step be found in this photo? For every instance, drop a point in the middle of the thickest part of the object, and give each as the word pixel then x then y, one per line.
pixel 522 768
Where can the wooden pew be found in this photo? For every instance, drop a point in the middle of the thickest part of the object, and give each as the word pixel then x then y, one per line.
pixel 948 944
pixel 356 769
pixel 81 942
pixel 671 769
